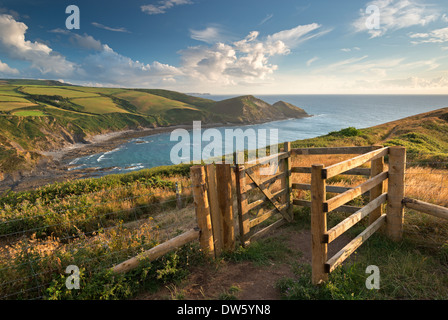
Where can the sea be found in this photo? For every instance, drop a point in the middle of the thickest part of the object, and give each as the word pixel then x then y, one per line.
pixel 329 113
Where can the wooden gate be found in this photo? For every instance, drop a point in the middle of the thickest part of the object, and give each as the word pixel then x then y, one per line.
pixel 274 188
pixel 321 206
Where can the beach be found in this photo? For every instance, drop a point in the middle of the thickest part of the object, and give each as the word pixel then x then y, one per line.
pixel 54 167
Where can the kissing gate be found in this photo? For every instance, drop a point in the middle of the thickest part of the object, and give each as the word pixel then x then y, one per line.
pixel 258 199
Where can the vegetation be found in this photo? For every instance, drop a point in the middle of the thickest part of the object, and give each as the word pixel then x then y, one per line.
pixel 425 136
pixel 94 224
pixel 414 268
pixel 34 113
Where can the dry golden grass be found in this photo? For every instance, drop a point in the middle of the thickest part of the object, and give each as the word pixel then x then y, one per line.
pixel 427 184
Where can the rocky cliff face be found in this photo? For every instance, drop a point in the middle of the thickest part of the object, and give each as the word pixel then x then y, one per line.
pixel 25 139
pixel 289 110
pixel 248 109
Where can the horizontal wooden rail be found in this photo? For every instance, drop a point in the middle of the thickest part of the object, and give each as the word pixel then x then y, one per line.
pixel 349 222
pixel 335 150
pixel 349 195
pixel 352 172
pixel 346 165
pixel 250 165
pixel 305 203
pixel 345 252
pixel 266 216
pixel 431 209
pixel 358 172
pixel 255 205
pixel 158 251
pixel 332 189
pixel 301 169
pixel 262 232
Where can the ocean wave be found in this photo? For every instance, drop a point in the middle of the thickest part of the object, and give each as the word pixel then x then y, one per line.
pixel 74 161
pixel 101 158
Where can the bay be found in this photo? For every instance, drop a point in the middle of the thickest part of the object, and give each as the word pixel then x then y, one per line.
pixel 329 113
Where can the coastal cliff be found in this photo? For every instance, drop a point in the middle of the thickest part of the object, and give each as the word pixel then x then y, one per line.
pixel 38 117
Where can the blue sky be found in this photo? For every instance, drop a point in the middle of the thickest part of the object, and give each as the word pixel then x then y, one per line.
pixel 232 46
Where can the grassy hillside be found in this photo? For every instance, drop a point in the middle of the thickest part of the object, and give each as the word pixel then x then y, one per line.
pixel 92 223
pixel 43 115
pixel 425 135
pixel 241 108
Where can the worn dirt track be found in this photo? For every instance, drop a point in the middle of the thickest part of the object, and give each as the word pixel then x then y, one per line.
pixel 254 281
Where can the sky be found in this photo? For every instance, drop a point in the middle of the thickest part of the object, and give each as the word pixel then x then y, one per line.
pixel 231 46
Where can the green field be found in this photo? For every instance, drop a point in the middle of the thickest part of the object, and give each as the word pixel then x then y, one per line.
pixel 8 98
pixel 10 91
pixel 98 105
pixel 52 91
pixel 147 103
pixel 10 106
pixel 30 113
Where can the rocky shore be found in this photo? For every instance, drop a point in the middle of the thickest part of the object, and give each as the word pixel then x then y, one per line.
pixel 54 165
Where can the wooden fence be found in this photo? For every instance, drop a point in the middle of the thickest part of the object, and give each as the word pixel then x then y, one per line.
pixel 248 181
pixel 321 206
pixel 221 189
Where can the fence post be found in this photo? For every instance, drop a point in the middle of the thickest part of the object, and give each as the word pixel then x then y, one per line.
pixel 376 168
pixel 288 182
pixel 214 208
pixel 179 195
pixel 243 217
pixel 395 193
pixel 202 209
pixel 225 203
pixel 318 225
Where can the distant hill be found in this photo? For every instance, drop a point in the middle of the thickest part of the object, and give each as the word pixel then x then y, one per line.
pixel 248 107
pixel 41 115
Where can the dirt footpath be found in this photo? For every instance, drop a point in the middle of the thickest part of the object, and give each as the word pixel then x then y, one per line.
pixel 254 281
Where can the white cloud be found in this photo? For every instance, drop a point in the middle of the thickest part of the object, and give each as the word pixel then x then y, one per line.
pixel 103 66
pixel 108 66
pixel 41 56
pixel 444 17
pixel 350 49
pixel 7 70
pixel 60 31
pixel 295 36
pixel 87 42
pixel 362 66
pixel 246 60
pixel 311 61
pixel 266 19
pixel 212 34
pixel 395 15
pixel 162 6
pixel 84 41
pixel 102 26
pixel 435 36
pixel 417 82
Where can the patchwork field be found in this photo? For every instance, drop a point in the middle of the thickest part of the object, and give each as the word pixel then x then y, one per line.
pixel 149 103
pixel 98 105
pixel 10 106
pixel 30 113
pixel 50 91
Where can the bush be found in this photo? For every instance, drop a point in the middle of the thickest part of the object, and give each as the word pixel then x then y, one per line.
pixel 347 132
